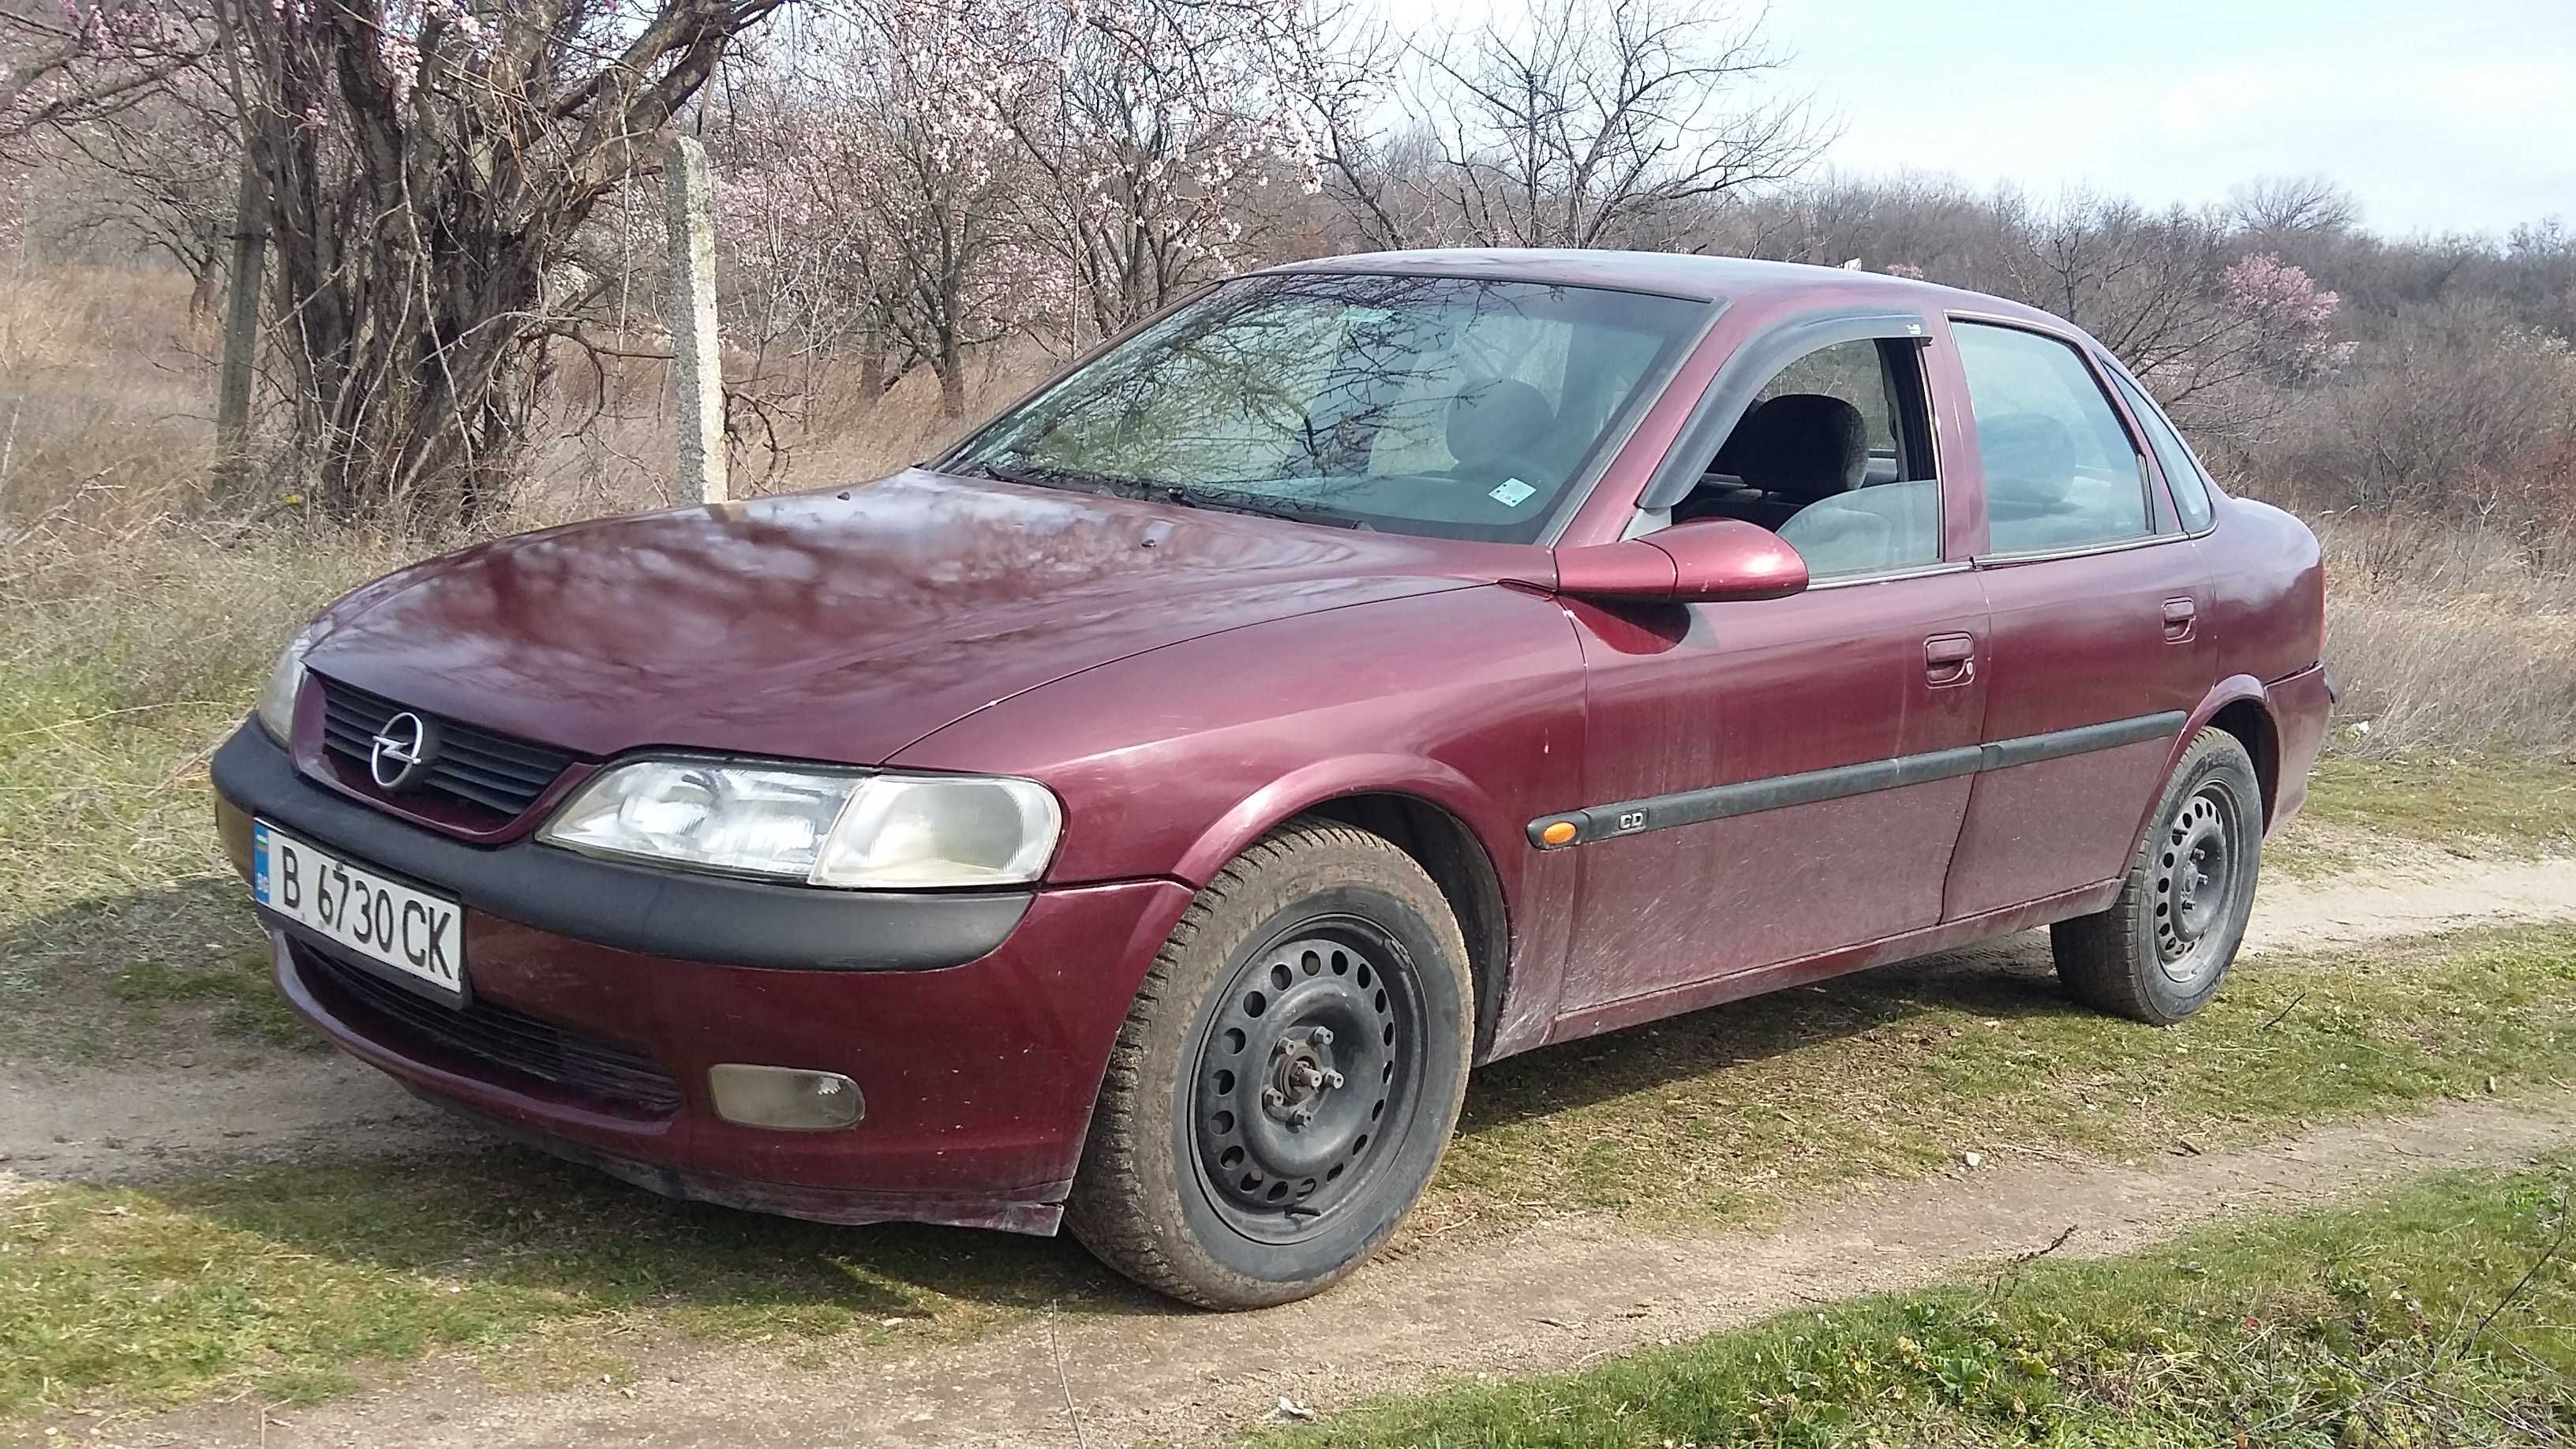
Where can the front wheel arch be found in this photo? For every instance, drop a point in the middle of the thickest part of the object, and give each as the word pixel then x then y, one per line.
pixel 1426 809
pixel 1459 863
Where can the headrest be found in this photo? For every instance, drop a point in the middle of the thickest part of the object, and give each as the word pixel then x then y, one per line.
pixel 1496 420
pixel 2030 458
pixel 1799 446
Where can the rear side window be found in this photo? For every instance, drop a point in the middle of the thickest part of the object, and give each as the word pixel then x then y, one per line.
pixel 2060 470
pixel 2190 490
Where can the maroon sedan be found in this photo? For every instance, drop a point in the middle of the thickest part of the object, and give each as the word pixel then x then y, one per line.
pixel 1143 815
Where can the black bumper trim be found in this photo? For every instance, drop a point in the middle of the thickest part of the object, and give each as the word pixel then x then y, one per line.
pixel 631 907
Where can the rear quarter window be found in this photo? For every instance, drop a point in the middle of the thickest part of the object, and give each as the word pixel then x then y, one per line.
pixel 2181 470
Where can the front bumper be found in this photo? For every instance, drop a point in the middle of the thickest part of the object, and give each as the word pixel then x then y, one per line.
pixel 976 1027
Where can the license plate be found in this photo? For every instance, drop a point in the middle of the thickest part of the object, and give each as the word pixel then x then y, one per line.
pixel 419 937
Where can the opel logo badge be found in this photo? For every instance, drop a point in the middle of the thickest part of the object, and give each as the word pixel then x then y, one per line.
pixel 401 752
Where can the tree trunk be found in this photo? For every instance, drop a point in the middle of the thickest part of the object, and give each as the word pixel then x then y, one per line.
pixel 872 362
pixel 418 375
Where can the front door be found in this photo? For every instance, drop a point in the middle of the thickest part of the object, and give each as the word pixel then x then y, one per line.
pixel 2099 649
pixel 1787 777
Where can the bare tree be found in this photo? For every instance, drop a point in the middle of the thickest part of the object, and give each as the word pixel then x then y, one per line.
pixel 163 175
pixel 2274 207
pixel 1577 123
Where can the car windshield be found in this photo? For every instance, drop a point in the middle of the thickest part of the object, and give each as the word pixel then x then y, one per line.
pixel 1424 405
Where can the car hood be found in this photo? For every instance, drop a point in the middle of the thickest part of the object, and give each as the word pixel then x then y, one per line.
pixel 844 626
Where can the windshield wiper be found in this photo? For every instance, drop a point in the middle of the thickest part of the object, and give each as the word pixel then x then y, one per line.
pixel 1188 495
pixel 1262 505
pixel 1047 475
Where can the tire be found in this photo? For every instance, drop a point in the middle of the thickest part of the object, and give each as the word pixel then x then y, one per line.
pixel 1199 1179
pixel 2160 951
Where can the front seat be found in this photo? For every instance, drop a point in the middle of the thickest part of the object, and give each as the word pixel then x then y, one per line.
pixel 1496 428
pixel 1795 449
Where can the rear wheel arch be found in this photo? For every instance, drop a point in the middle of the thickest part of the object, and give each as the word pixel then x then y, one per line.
pixel 2250 721
pixel 2236 705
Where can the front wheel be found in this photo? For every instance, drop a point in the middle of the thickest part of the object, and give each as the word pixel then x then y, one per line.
pixel 1287 1078
pixel 2158 954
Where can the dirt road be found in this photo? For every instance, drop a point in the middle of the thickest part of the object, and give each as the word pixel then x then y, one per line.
pixel 1552 1296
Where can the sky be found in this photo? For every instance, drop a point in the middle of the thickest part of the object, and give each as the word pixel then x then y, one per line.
pixel 2438 115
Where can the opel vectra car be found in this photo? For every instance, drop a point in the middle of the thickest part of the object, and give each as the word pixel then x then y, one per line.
pixel 1143 815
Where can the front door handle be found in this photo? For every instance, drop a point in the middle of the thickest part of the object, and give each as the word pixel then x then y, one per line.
pixel 2180 615
pixel 1950 659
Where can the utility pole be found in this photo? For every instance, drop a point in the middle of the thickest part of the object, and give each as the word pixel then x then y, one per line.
pixel 697 365
pixel 241 331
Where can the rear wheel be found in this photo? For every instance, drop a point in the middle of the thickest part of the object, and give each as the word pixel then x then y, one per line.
pixel 1287 1078
pixel 2158 954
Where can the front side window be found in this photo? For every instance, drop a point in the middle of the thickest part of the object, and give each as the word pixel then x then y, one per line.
pixel 1834 454
pixel 1425 405
pixel 2182 474
pixel 2060 470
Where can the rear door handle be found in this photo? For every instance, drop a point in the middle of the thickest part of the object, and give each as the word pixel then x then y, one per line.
pixel 1950 659
pixel 2180 614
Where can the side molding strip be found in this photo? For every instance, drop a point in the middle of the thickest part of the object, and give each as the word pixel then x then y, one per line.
pixel 1719 802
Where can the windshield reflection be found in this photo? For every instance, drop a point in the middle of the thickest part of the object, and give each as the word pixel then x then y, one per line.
pixel 1442 406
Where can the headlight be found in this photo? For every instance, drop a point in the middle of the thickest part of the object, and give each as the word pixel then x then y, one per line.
pixel 851 830
pixel 277 701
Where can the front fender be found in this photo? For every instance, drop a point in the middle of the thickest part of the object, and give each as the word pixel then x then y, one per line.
pixel 1304 788
pixel 1172 761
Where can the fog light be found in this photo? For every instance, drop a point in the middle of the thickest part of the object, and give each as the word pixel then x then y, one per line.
pixel 784 1098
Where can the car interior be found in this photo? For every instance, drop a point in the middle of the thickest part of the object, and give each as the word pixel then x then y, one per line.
pixel 1835 456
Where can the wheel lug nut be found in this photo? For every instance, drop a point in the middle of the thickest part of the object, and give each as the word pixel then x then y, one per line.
pixel 1270 1097
pixel 1332 1079
pixel 1323 1036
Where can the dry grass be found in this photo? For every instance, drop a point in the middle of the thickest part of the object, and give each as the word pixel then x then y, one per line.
pixel 123 661
pixel 106 396
pixel 2449 638
pixel 795 426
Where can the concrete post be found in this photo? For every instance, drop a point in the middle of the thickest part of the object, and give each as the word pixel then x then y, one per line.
pixel 697 366
pixel 241 331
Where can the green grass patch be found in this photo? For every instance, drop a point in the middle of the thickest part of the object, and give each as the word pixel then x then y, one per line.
pixel 2437 1315
pixel 2525 807
pixel 1897 1073
pixel 294 1281
pixel 121 928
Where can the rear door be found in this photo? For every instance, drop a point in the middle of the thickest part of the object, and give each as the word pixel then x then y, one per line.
pixel 2094 596
pixel 1788 775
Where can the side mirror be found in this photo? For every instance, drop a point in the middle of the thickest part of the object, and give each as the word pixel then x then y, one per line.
pixel 1708 561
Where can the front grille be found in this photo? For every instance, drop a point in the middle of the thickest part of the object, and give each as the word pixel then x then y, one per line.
pixel 618 1075
pixel 493 773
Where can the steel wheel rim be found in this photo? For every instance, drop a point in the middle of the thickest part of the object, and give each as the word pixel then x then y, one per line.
pixel 1304 1077
pixel 2196 886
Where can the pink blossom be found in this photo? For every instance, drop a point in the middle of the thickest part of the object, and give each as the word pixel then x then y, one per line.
pixel 2290 315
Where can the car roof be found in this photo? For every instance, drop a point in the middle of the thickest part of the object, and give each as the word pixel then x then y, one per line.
pixel 1675 274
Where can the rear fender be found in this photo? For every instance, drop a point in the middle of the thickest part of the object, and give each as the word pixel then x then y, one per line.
pixel 2234 689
